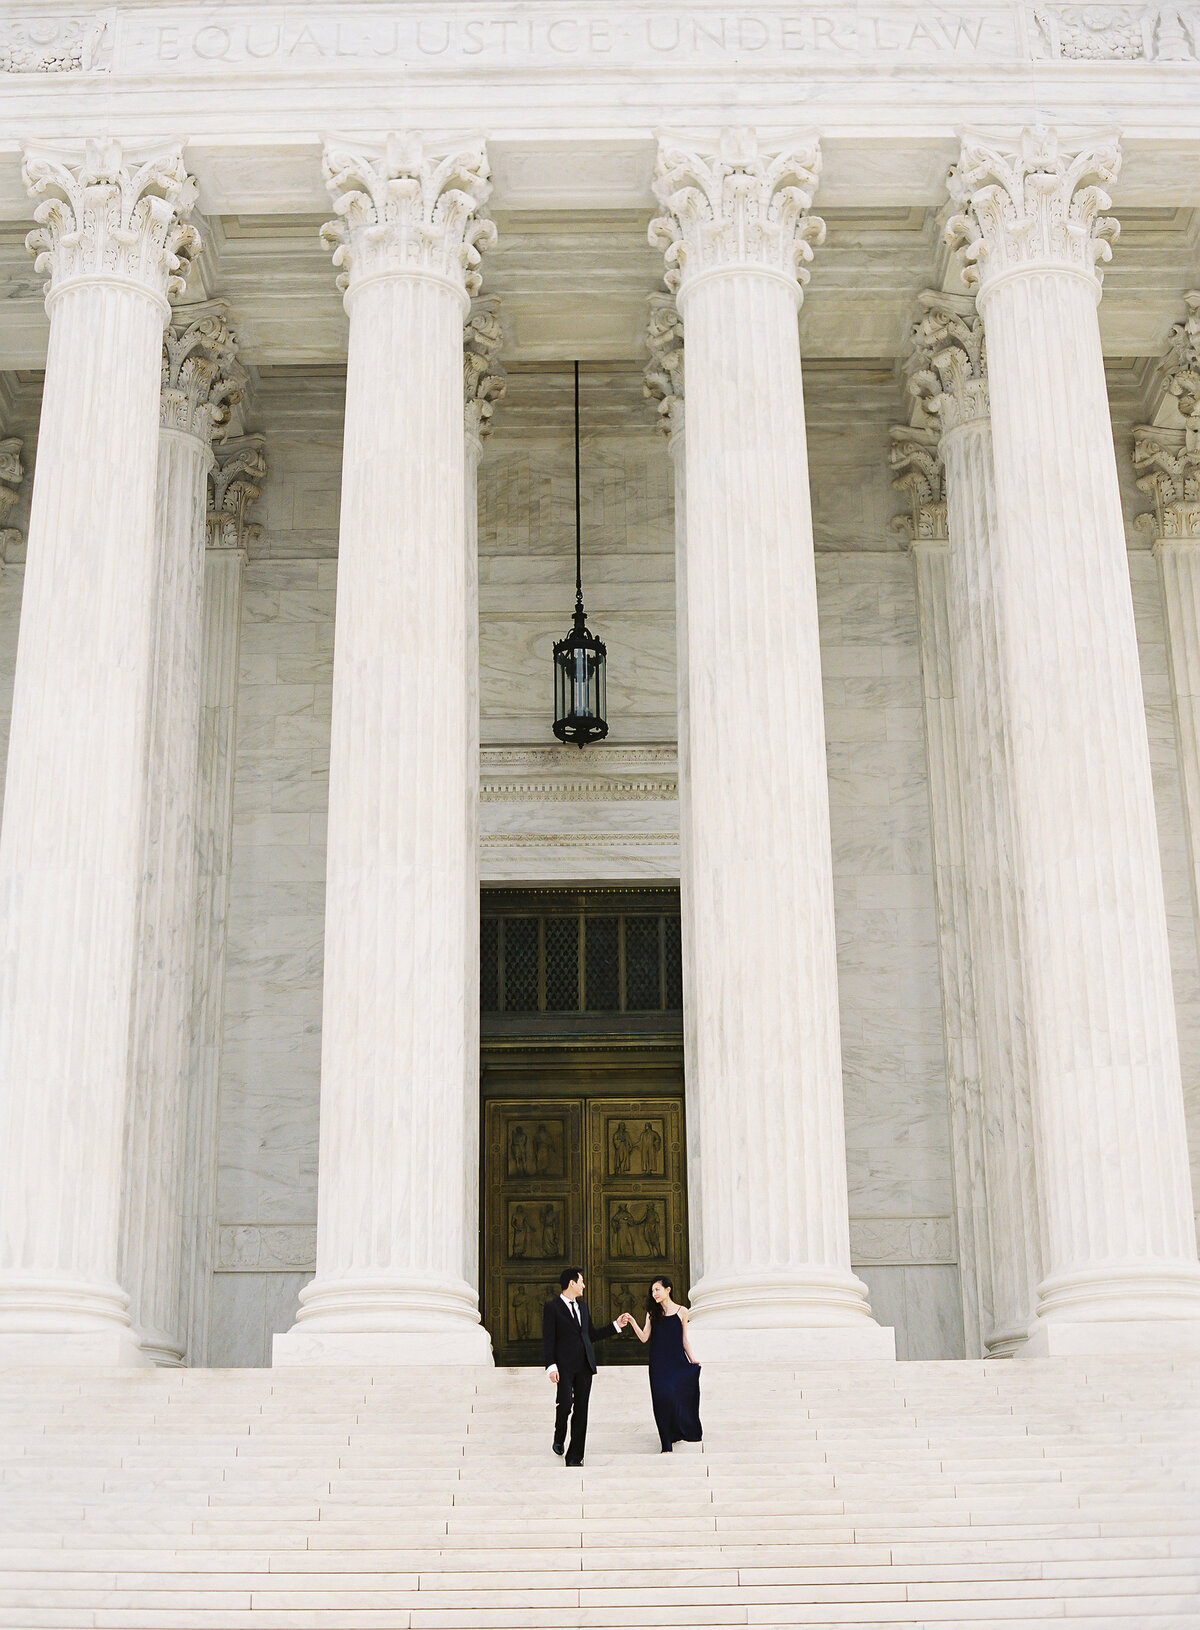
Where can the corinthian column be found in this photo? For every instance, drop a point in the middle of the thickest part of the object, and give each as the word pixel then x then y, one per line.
pixel 947 375
pixel 398 1115
pixel 1120 1266
pixel 920 475
pixel 1168 464
pixel 200 379
pixel 768 1189
pixel 111 236
pixel 235 486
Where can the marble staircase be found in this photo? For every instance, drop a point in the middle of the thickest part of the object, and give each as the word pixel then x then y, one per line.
pixel 966 1494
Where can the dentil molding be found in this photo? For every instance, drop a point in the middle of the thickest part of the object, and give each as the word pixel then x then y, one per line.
pixel 542 774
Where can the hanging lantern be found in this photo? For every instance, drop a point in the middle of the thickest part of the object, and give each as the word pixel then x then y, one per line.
pixel 579 659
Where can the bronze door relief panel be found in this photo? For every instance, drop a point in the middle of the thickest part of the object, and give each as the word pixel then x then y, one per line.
pixel 596 1181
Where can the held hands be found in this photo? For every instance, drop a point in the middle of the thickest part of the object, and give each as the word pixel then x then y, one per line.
pixel 624 1321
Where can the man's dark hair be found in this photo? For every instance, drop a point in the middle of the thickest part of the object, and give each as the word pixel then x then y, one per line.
pixel 568 1276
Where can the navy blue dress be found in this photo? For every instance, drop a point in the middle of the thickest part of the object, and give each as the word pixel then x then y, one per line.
pixel 674 1384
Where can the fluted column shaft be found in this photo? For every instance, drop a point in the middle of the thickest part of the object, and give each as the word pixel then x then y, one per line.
pixel 78 774
pixel 764 1073
pixel 151 1240
pixel 1010 1176
pixel 398 1109
pixel 199 377
pixel 1120 1255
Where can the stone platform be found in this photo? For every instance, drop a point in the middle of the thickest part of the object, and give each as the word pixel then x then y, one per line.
pixel 980 1494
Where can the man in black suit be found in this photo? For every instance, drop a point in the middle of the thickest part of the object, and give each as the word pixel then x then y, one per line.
pixel 570 1360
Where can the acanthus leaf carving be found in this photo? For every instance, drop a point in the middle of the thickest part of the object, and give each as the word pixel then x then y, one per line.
pixel 734 202
pixel 662 377
pixel 114 210
pixel 484 380
pixel 1033 202
pixel 921 476
pixel 946 368
pixel 12 473
pixel 235 486
pixel 403 206
pixel 202 378
pixel 1116 32
pixel 1167 460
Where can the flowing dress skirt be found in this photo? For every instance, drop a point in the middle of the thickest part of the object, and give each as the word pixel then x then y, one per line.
pixel 674 1384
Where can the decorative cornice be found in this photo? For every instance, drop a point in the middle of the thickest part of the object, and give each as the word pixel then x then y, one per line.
pixel 63 45
pixel 484 380
pixel 1032 203
pixel 115 210
pixel 921 477
pixel 234 484
pixel 662 377
pixel 735 204
pixel 946 367
pixel 404 206
pixel 12 473
pixel 201 375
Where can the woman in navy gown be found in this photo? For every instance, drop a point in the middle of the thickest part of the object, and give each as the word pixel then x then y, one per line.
pixel 674 1373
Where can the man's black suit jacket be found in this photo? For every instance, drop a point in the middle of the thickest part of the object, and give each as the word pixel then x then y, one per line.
pixel 567 1342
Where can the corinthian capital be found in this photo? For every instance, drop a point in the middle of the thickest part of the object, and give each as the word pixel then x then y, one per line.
pixel 662 377
pixel 1032 202
pixel 1183 378
pixel 235 486
pixel 946 366
pixel 404 207
pixel 484 380
pixel 201 375
pixel 732 203
pixel 113 210
pixel 921 477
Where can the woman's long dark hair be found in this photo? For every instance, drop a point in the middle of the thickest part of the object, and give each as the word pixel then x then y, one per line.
pixel 653 1308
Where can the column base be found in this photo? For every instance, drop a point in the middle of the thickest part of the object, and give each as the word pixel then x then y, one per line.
pixel 102 1349
pixel 1064 1338
pixel 749 1319
pixel 47 1321
pixel 385 1321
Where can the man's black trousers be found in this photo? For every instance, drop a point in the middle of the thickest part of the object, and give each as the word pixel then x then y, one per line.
pixel 574 1390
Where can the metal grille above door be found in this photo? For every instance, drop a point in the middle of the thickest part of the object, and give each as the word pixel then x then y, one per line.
pixel 589 953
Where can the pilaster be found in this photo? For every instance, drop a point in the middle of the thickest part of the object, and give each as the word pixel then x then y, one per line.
pixel 770 1225
pixel 1120 1268
pixel 398 1114
pixel 112 235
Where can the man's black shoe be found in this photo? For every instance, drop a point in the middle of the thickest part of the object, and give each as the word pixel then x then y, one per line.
pixel 558 1448
pixel 574 1462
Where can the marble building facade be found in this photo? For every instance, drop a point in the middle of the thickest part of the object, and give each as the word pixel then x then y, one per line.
pixel 935 731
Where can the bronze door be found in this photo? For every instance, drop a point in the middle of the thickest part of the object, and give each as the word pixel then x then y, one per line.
pixel 597 1182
